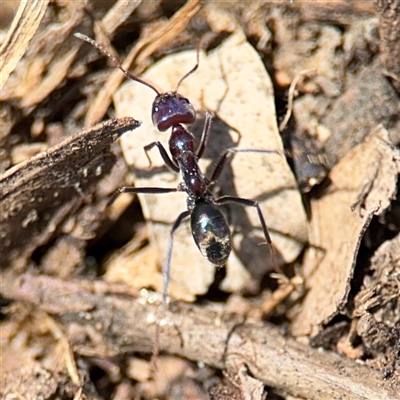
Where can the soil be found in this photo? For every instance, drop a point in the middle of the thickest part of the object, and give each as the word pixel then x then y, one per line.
pixel 314 316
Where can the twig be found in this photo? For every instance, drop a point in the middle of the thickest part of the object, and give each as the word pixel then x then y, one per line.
pixel 102 323
pixel 292 88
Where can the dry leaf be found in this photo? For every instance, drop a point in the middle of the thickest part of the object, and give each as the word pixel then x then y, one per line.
pixel 365 178
pixel 138 270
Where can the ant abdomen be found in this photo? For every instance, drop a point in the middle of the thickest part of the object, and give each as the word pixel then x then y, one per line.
pixel 171 109
pixel 211 232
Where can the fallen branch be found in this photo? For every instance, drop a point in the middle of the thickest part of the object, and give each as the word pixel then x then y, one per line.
pixel 105 320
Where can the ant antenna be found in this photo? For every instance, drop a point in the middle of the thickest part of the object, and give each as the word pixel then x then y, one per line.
pixel 193 69
pixel 116 62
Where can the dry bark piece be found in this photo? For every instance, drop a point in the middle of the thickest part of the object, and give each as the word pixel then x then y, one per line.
pixel 389 28
pixel 368 101
pixel 101 323
pixel 231 82
pixel 382 343
pixel 365 180
pixel 377 306
pixel 36 195
pixel 380 291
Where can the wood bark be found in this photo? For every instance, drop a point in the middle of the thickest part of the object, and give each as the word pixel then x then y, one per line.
pixel 96 315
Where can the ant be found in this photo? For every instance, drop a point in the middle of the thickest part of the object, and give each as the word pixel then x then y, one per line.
pixel 209 226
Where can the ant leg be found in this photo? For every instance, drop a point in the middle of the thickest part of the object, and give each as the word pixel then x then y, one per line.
pixel 145 190
pixel 166 271
pixel 167 265
pixel 252 203
pixel 164 155
pixel 227 154
pixel 246 203
pixel 204 135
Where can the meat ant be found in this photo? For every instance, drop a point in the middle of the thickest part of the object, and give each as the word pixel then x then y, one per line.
pixel 209 226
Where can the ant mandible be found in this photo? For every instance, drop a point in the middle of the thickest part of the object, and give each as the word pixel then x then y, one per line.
pixel 209 226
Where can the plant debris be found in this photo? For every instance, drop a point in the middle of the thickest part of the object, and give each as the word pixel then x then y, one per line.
pixel 80 279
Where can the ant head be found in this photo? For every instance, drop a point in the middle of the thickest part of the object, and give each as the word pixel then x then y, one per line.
pixel 170 109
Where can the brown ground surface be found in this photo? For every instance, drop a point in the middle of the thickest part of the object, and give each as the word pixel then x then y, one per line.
pixel 80 278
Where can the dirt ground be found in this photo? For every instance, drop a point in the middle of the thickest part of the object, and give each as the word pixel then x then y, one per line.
pixel 316 85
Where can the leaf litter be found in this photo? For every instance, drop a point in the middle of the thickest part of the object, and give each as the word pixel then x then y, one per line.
pixel 349 268
pixel 362 185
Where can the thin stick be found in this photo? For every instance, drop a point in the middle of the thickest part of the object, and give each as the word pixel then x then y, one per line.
pixel 292 88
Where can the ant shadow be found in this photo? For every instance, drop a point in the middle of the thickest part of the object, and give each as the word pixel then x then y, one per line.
pixel 249 243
